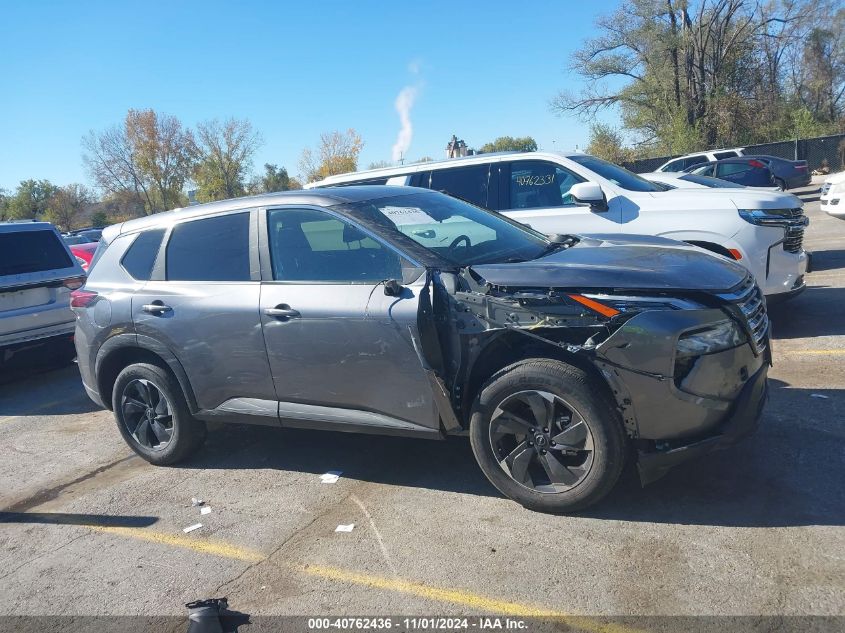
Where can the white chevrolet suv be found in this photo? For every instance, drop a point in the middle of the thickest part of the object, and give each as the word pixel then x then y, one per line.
pixel 577 193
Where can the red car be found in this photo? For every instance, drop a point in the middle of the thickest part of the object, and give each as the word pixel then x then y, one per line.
pixel 84 253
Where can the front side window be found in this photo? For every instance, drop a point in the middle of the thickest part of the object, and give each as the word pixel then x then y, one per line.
pixel 466 183
pixel 694 160
pixel 211 249
pixel 309 245
pixel 535 184
pixel 140 257
pixel 675 165
pixel 705 170
pixel 619 176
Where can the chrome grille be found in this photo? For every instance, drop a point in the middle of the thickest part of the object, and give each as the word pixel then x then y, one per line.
pixel 794 239
pixel 750 305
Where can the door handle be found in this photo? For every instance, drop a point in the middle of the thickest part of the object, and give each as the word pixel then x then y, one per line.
pixel 156 308
pixel 282 311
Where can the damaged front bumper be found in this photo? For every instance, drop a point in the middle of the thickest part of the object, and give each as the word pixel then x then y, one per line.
pixel 676 415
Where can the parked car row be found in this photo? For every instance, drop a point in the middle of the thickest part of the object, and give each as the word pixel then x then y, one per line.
pixel 745 169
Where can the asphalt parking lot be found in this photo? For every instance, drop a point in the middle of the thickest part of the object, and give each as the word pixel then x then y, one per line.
pixel 87 528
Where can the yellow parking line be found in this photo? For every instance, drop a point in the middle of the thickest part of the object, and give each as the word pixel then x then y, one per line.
pixel 812 352
pixel 483 604
pixel 214 548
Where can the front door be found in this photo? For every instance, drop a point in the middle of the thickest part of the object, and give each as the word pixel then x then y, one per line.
pixel 340 350
pixel 536 192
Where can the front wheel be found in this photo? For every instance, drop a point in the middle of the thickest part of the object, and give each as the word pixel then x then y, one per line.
pixel 546 435
pixel 780 184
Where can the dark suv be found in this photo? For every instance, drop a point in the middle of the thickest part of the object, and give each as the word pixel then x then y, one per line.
pixel 323 310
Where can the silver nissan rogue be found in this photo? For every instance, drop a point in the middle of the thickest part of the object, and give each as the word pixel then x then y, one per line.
pixel 403 311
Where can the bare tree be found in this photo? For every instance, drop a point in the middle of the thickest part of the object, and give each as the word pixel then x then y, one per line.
pixel 224 152
pixel 67 204
pixel 113 165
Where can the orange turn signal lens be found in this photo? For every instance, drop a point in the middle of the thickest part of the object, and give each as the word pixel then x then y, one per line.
pixel 595 306
pixel 736 254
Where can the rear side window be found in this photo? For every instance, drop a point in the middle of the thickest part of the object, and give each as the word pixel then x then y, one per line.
pixel 212 249
pixel 32 252
pixel 675 165
pixel 467 183
pixel 694 160
pixel 724 155
pixel 141 256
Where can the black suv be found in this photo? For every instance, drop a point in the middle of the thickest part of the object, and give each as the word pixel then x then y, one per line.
pixel 406 312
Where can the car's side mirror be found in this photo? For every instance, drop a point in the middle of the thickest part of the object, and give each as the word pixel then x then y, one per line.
pixel 589 193
pixel 392 288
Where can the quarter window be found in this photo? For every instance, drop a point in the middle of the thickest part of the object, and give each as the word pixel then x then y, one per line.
pixel 140 257
pixel 212 249
pixel 467 183
pixel 535 184
pixel 309 245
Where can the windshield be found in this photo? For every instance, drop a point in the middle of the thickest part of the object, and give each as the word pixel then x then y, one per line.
pixel 457 231
pixel 615 174
pixel 709 181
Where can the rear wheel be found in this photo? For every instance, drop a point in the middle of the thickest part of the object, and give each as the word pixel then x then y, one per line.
pixel 152 415
pixel 780 184
pixel 546 436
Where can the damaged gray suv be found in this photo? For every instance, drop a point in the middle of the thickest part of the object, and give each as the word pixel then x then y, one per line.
pixel 403 311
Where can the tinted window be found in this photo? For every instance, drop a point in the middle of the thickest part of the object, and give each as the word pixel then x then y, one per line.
pixel 370 181
pixel 675 165
pixel 31 252
pixel 694 160
pixel 466 183
pixel 537 183
pixel 724 155
pixel 141 255
pixel 706 170
pixel 728 169
pixel 308 245
pixel 213 249
pixel 614 173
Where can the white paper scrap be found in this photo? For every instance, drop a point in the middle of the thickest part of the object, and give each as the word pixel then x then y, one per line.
pixel 344 528
pixel 205 510
pixel 331 477
pixel 193 527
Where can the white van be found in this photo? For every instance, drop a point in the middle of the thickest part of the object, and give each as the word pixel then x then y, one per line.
pixel 577 193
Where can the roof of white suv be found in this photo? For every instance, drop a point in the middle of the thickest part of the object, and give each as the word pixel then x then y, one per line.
pixel 411 168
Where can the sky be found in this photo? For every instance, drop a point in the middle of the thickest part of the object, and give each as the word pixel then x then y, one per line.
pixel 478 69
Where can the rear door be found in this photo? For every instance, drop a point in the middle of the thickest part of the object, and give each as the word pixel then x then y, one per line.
pixel 37 274
pixel 340 350
pixel 202 303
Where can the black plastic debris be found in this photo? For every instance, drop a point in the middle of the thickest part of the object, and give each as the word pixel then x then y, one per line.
pixel 213 615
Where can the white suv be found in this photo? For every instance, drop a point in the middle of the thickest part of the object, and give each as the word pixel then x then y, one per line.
pixel 577 193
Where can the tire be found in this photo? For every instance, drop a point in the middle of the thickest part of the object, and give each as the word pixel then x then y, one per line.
pixel 780 183
pixel 567 396
pixel 186 433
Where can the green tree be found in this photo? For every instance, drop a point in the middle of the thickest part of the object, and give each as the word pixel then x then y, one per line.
pixel 606 142
pixel 224 152
pixel 691 74
pixel 30 200
pixel 274 178
pixel 510 143
pixel 99 218
pixel 337 153
pixel 67 204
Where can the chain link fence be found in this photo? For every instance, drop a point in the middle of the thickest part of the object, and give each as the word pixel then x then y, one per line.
pixel 818 151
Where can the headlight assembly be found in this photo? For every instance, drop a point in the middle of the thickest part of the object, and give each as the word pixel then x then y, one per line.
pixel 612 305
pixel 715 338
pixel 774 217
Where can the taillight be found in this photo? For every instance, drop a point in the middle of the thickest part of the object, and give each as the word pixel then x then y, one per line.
pixel 81 262
pixel 73 283
pixel 82 298
pixel 800 167
pixel 756 163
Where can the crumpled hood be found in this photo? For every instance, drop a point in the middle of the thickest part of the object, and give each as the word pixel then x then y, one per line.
pixel 625 262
